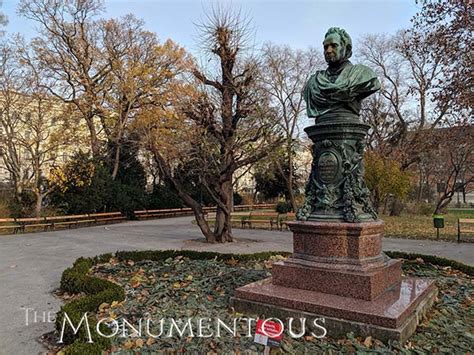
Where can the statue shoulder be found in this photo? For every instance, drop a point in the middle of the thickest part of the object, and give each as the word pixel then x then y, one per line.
pixel 316 74
pixel 364 70
pixel 314 78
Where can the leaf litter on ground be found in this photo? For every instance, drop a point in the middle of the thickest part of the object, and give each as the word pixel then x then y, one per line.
pixel 182 288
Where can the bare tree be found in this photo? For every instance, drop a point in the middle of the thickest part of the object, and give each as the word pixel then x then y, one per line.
pixel 452 150
pixel 226 120
pixel 285 72
pixel 69 52
pixel 446 27
pixel 409 76
pixel 34 132
pixel 3 20
pixel 12 101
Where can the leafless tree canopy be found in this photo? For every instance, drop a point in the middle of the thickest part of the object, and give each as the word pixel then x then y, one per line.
pixel 3 20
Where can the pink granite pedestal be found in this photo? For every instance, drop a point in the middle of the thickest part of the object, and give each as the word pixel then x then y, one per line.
pixel 338 272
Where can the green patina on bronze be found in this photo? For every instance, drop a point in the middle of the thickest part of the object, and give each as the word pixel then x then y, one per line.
pixel 336 190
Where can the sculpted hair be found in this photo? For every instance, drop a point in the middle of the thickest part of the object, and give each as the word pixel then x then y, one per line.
pixel 345 38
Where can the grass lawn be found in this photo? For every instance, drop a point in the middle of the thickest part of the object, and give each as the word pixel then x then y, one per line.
pixel 411 226
pixel 421 227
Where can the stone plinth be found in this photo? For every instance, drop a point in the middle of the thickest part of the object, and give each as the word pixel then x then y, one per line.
pixel 341 242
pixel 343 259
pixel 338 271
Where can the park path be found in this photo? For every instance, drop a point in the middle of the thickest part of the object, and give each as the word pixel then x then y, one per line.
pixel 31 264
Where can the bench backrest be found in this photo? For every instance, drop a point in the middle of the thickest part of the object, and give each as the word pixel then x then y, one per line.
pixel 67 217
pixel 264 214
pixel 31 219
pixel 105 214
pixel 7 220
pixel 465 220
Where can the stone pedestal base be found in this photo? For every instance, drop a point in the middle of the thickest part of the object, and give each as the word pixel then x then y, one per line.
pixel 392 316
pixel 338 271
pixel 366 285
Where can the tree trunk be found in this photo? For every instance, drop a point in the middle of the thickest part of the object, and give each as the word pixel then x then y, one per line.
pixel 385 205
pixel 223 227
pixel 442 204
pixel 420 188
pixel 94 141
pixel 116 161
pixel 291 195
pixel 397 207
pixel 175 185
pixel 444 200
pixel 204 226
pixel 197 210
pixel 38 204
pixel 18 191
pixel 376 199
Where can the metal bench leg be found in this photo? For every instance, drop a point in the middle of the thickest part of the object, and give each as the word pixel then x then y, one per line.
pixel 459 232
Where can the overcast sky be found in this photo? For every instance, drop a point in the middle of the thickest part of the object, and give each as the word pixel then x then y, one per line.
pixel 299 23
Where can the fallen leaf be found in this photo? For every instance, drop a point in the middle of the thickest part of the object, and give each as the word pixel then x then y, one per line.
pixel 128 344
pixel 368 342
pixel 103 306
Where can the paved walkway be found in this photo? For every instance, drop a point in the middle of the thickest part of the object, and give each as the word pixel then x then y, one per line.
pixel 31 265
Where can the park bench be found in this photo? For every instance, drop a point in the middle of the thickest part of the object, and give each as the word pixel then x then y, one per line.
pixel 175 212
pixel 465 225
pixel 107 217
pixel 290 216
pixel 69 220
pixel 9 224
pixel 33 222
pixel 269 206
pixel 270 218
pixel 164 212
pixel 235 217
pixel 53 222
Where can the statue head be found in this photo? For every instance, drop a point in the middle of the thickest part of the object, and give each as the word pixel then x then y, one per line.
pixel 337 46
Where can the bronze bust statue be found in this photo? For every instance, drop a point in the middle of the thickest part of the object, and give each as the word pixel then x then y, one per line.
pixel 336 190
pixel 342 86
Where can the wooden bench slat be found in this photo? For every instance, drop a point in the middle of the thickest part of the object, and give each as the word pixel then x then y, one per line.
pixel 7 220
pixel 104 214
pixel 32 219
pixel 67 217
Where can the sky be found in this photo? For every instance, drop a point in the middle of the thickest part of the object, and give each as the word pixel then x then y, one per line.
pixel 298 23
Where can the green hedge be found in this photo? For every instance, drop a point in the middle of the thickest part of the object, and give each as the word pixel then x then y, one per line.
pixel 432 259
pixel 98 291
pixel 156 255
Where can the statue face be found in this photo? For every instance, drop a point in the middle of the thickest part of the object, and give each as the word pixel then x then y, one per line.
pixel 334 50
